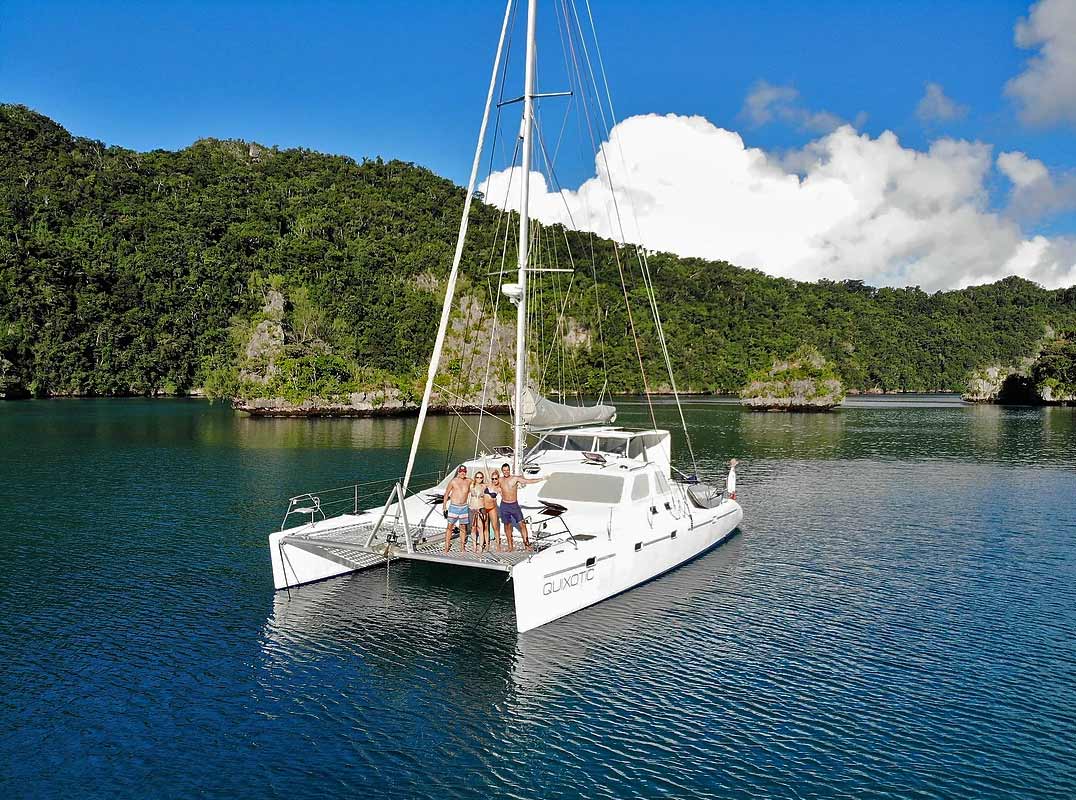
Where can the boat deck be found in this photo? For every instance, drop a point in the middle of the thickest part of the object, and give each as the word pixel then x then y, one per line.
pixel 347 545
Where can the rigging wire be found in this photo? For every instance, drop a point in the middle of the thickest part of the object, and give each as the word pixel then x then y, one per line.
pixel 446 306
pixel 578 89
pixel 468 350
pixel 552 340
pixel 640 253
pixel 601 151
pixel 561 322
pixel 496 298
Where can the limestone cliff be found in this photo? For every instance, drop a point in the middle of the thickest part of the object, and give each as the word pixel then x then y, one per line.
pixel 985 384
pixel 803 382
pixel 283 373
pixel 1047 378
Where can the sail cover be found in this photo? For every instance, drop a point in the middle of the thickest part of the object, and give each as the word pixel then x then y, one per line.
pixel 541 413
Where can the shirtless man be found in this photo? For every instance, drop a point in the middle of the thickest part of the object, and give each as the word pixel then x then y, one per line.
pixel 455 507
pixel 511 513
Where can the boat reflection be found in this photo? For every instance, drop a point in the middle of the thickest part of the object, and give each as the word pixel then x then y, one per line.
pixel 456 627
pixel 709 585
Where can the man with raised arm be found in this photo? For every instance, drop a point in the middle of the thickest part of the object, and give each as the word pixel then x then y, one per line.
pixel 511 513
pixel 455 507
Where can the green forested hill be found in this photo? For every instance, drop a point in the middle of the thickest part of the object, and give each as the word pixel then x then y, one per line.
pixel 125 272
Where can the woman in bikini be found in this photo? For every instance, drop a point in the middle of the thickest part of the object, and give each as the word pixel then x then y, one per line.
pixel 478 511
pixel 489 504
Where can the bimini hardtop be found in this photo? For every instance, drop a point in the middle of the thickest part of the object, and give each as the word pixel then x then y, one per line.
pixel 608 515
pixel 581 510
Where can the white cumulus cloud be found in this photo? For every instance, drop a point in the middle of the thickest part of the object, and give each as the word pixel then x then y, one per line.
pixel 1046 89
pixel 1036 193
pixel 767 103
pixel 936 106
pixel 856 207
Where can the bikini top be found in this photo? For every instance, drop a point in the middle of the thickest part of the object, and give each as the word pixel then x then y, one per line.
pixel 492 492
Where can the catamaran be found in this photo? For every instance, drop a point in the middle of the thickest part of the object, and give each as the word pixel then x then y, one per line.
pixel 611 511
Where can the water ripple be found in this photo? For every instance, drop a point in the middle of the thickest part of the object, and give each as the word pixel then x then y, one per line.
pixel 897 618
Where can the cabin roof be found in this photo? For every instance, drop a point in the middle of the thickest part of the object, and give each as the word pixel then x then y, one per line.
pixel 602 430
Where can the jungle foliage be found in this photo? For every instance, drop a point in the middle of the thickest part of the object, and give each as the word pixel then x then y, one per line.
pixel 136 273
pixel 1055 368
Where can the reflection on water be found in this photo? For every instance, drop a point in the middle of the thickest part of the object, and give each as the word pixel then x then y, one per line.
pixel 448 609
pixel 896 618
pixel 440 433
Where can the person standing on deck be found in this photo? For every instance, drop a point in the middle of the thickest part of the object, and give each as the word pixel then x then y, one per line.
pixel 511 513
pixel 478 511
pixel 489 503
pixel 455 507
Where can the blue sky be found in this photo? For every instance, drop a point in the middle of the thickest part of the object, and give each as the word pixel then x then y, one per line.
pixel 408 80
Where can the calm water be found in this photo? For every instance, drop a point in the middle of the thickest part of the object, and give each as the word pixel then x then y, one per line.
pixel 897 618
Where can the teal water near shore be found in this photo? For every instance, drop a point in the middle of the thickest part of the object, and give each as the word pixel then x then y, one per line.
pixel 896 618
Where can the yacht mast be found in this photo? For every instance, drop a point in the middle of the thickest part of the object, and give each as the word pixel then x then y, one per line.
pixel 524 240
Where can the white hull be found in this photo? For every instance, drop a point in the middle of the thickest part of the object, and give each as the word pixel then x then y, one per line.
pixel 548 585
pixel 295 565
pixel 600 528
pixel 550 588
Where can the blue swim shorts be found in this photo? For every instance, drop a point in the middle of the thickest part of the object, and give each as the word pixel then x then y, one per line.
pixel 511 514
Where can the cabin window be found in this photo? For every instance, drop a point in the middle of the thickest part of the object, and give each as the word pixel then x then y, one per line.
pixel 563 487
pixel 579 443
pixel 615 445
pixel 641 488
pixel 550 442
pixel 639 444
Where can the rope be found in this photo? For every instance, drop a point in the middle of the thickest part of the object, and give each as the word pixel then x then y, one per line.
pixel 641 256
pixel 496 594
pixel 602 154
pixel 578 88
pixel 496 298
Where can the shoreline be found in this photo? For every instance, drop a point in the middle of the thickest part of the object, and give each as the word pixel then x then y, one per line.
pixel 198 395
pixel 392 410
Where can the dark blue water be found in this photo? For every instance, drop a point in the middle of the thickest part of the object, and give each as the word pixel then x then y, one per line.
pixel 896 619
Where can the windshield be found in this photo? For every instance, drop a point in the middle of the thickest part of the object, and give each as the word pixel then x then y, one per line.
pixel 611 444
pixel 547 442
pixel 572 486
pixel 579 443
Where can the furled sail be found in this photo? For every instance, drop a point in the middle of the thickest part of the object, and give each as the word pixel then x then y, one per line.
pixel 540 413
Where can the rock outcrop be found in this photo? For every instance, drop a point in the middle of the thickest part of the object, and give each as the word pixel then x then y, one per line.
pixel 266 344
pixel 804 382
pixel 1047 379
pixel 388 402
pixel 1053 395
pixel 9 385
pixel 284 374
pixel 1054 372
pixel 984 385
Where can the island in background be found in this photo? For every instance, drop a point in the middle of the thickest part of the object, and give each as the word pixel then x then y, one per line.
pixel 288 279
